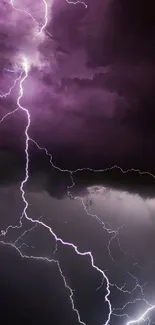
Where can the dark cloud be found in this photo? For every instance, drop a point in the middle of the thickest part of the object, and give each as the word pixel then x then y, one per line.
pixel 44 177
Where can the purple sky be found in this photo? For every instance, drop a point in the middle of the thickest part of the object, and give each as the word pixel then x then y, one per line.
pixel 91 85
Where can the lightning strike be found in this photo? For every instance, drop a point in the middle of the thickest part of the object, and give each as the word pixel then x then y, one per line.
pixel 23 234
pixel 77 2
pixel 31 16
pixel 113 233
pixel 46 19
pixel 25 67
pixel 11 88
pixel 137 286
pixel 75 248
pixel 132 302
pixel 142 317
pixel 23 11
pixel 45 259
pixel 8 114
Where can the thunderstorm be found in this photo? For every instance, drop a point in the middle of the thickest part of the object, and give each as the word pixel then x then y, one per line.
pixel 106 235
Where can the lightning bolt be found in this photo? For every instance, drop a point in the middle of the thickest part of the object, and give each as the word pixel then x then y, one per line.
pixel 25 67
pixel 44 25
pixel 11 88
pixel 8 114
pixel 24 214
pixel 23 11
pixel 114 233
pixel 77 2
pixel 142 317
pixel 46 19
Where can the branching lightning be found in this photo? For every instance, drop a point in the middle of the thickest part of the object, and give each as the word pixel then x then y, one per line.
pixel 22 11
pixel 24 74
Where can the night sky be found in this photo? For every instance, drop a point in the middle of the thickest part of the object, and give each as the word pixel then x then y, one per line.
pixel 77 162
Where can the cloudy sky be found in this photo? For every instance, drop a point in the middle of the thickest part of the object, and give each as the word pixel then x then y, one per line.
pixel 77 184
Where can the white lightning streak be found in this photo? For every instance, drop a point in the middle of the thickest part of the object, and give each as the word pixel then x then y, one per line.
pixel 89 254
pixel 71 172
pixel 46 20
pixel 23 234
pixel 22 10
pixel 45 259
pixel 114 233
pixel 11 88
pixel 133 302
pixel 141 317
pixel 77 2
pixel 8 114
pixel 46 13
pixel 21 92
pixel 25 66
pixel 24 214
pixel 29 14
